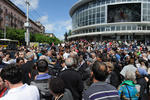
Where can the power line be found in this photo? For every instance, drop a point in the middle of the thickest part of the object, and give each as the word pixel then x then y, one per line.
pixel 33 10
pixel 34 13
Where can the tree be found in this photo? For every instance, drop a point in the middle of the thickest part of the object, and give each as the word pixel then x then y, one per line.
pixel 66 36
pixel 69 33
pixel 19 34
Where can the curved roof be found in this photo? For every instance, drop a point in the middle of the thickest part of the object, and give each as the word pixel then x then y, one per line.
pixel 78 4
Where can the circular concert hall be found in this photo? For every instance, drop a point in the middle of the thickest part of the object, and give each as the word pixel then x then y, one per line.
pixel 110 20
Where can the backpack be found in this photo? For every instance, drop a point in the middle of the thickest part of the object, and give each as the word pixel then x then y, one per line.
pixel 43 87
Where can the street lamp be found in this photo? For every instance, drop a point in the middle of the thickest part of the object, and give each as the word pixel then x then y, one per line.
pixel 27 25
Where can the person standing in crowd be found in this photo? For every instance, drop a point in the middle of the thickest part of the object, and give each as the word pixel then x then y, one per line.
pixel 22 55
pixel 27 68
pixel 72 79
pixel 57 88
pixel 93 56
pixel 41 80
pixel 63 65
pixel 7 59
pixel 129 67
pixel 3 88
pixel 141 76
pixel 66 54
pixel 114 75
pixel 87 73
pixel 20 61
pixel 12 76
pixel 100 89
pixel 2 65
pixel 128 90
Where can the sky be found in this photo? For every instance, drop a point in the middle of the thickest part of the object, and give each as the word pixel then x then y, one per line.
pixel 53 14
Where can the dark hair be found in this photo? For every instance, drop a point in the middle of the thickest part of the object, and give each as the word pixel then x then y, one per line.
pixel 62 61
pixel 99 72
pixel 42 65
pixel 18 59
pixel 56 85
pixel 1 60
pixel 11 73
pixel 8 54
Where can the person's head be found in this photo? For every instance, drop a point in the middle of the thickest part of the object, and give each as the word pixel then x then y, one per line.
pixel 22 54
pixel 89 61
pixel 49 53
pixel 99 71
pixel 8 55
pixel 58 57
pixel 69 62
pixel 17 54
pixel 67 49
pixel 63 63
pixel 1 54
pixel 80 58
pixel 110 67
pixel 11 74
pixel 99 57
pixel 73 54
pixel 20 61
pixel 56 86
pixel 30 56
pixel 129 75
pixel 42 65
pixel 93 55
pixel 131 60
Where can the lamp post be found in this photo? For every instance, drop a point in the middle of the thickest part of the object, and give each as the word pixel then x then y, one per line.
pixel 27 25
pixel 5 32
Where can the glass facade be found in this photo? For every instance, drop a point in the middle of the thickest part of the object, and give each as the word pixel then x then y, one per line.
pixel 114 28
pixel 95 13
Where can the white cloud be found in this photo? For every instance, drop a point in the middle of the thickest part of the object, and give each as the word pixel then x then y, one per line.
pixel 34 3
pixel 21 3
pixel 43 19
pixel 49 27
pixel 66 24
pixel 58 28
pixel 18 2
pixel 63 26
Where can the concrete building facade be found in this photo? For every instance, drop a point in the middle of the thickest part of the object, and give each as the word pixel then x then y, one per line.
pixel 12 16
pixel 111 20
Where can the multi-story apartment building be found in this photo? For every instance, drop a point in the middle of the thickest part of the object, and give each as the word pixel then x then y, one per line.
pixel 12 16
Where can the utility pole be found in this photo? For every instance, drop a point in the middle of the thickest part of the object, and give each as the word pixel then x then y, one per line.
pixel 5 32
pixel 27 25
pixel 5 27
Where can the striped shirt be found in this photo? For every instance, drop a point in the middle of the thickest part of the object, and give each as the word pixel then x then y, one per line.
pixel 101 91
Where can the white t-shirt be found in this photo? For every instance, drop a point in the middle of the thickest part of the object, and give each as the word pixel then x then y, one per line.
pixel 66 55
pixel 24 92
pixel 129 67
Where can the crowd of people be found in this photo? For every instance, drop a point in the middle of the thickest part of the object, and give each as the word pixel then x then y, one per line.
pixel 76 70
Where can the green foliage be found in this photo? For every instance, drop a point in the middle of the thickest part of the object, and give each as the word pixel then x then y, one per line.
pixel 42 39
pixel 1 34
pixel 16 34
pixel 69 33
pixel 19 34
